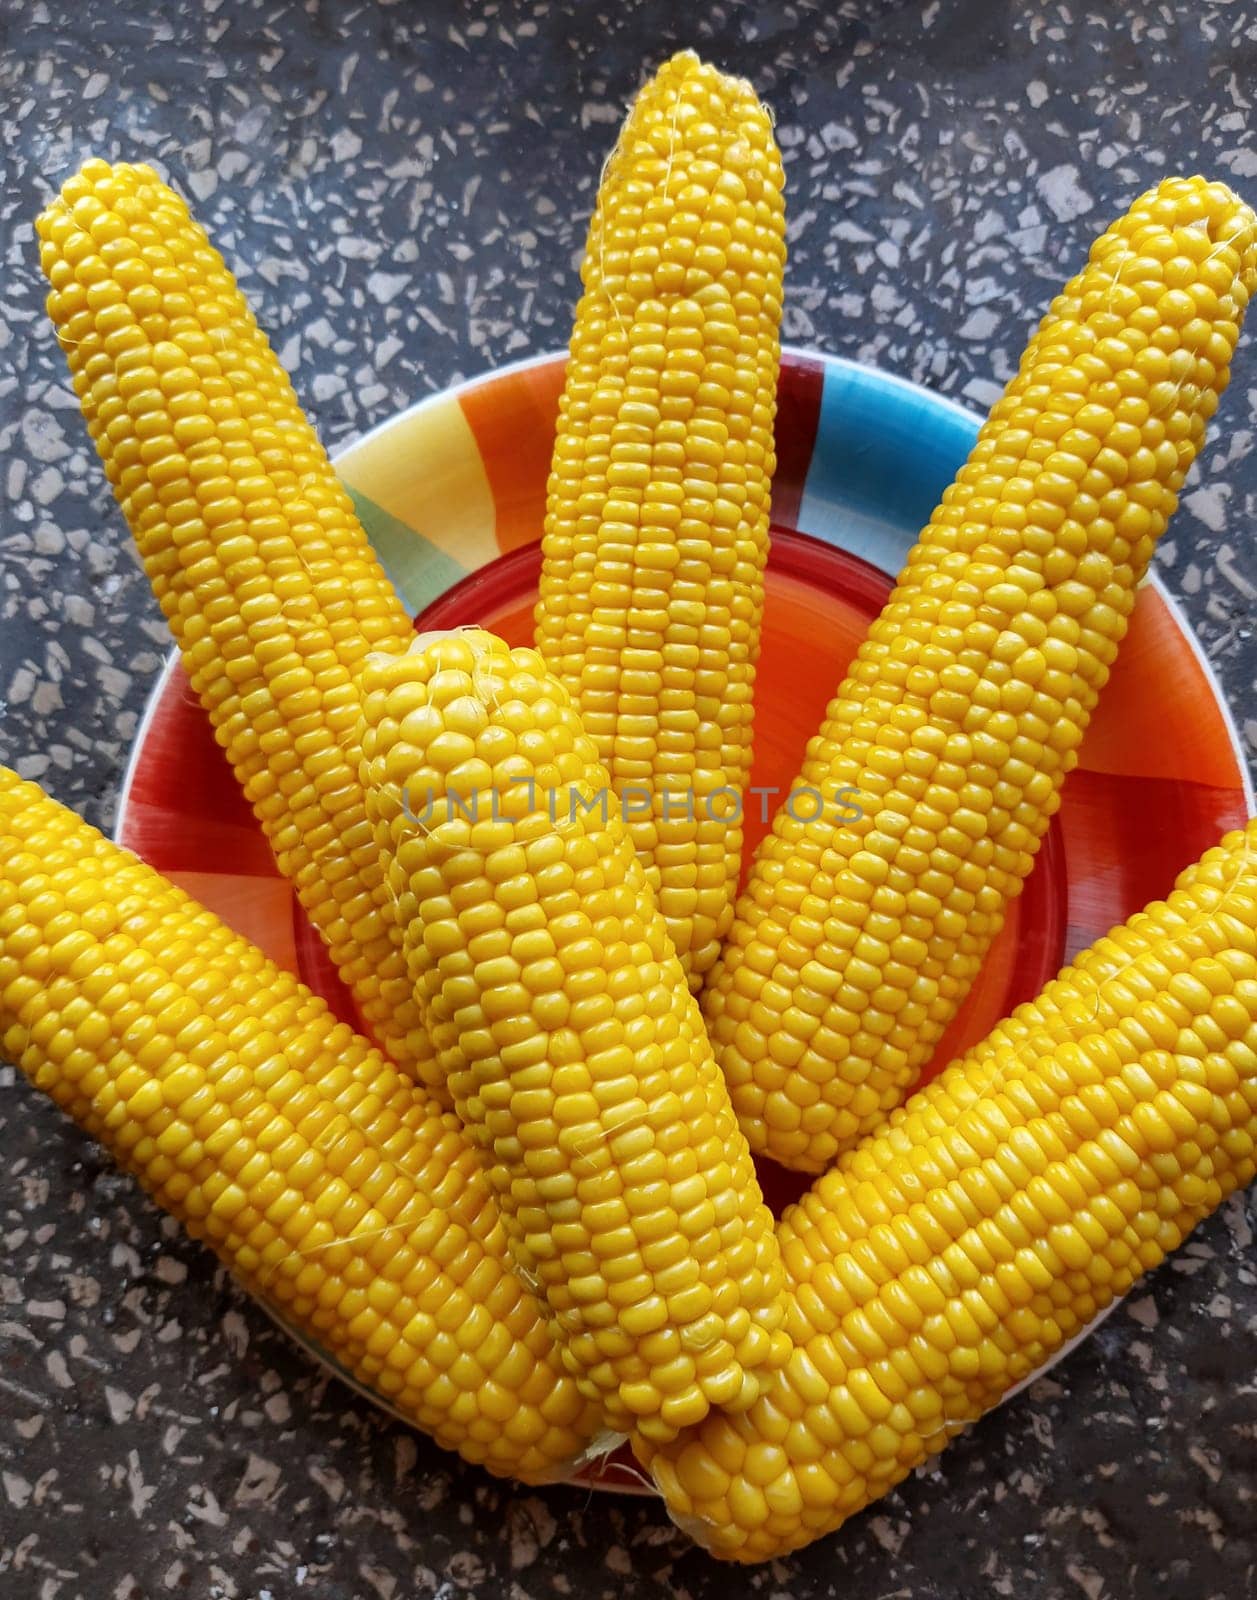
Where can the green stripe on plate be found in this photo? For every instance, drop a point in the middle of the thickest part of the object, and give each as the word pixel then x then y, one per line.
pixel 414 566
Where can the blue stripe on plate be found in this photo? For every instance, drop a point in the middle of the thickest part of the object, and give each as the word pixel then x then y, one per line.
pixel 885 451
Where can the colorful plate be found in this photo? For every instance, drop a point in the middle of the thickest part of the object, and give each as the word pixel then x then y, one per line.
pixel 452 493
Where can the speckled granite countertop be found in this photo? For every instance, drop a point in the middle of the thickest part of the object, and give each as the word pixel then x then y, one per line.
pixel 403 188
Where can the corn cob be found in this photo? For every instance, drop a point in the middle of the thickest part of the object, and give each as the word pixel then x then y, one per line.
pixel 177 287
pixel 855 942
pixel 1007 1203
pixel 333 1187
pixel 269 588
pixel 574 1052
pixel 656 529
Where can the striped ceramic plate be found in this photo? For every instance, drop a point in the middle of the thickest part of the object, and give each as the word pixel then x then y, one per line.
pixel 455 487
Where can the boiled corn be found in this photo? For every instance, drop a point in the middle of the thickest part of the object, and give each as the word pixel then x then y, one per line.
pixel 1006 1205
pixel 334 1188
pixel 656 530
pixel 574 1051
pixel 266 580
pixel 855 941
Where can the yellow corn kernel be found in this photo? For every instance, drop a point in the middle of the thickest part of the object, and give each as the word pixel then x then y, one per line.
pixel 252 547
pixel 963 710
pixel 1071 1233
pixel 656 530
pixel 250 1166
pixel 574 1051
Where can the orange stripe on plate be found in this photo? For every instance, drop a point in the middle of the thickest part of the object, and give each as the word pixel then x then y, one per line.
pixel 184 841
pixel 1178 733
pixel 1127 839
pixel 182 768
pixel 258 908
pixel 513 420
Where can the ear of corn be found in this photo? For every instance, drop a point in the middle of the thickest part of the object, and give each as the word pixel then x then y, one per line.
pixel 855 942
pixel 1007 1204
pixel 163 279
pixel 574 1051
pixel 266 580
pixel 656 528
pixel 333 1187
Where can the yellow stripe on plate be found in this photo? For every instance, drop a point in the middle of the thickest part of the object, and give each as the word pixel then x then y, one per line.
pixel 425 470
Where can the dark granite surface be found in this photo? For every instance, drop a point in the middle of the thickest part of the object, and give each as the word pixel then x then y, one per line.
pixel 403 189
